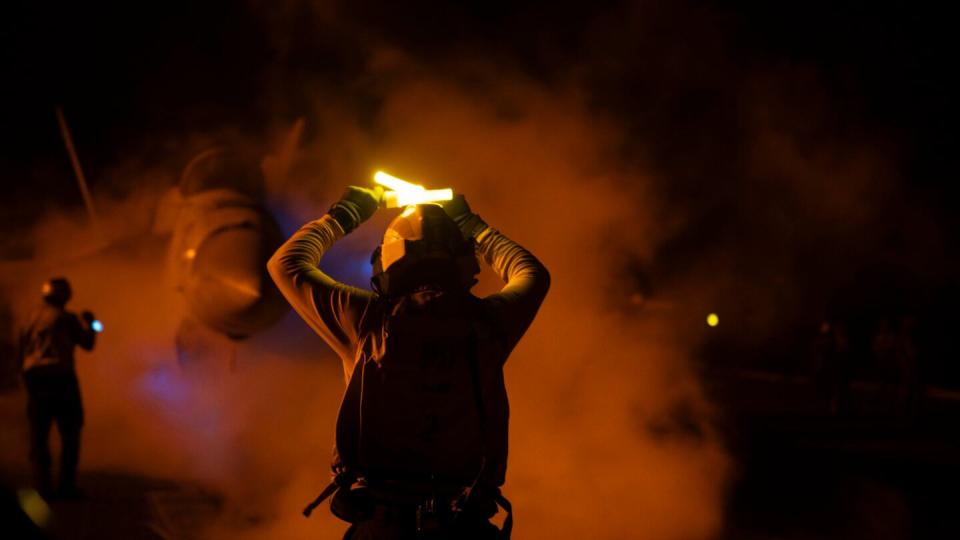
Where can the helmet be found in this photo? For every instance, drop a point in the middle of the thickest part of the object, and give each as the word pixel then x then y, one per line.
pixel 57 291
pixel 423 246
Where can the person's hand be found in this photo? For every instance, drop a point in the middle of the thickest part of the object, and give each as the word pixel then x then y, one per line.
pixel 456 207
pixel 367 200
pixel 356 205
pixel 459 211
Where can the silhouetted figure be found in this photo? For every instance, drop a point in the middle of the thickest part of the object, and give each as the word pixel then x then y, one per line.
pixel 422 431
pixel 53 393
pixel 834 365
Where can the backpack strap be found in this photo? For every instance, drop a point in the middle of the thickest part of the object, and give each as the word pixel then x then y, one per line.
pixel 473 356
pixel 504 503
pixel 473 353
pixel 341 480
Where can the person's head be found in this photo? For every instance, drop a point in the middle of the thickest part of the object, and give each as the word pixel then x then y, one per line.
pixel 421 248
pixel 57 292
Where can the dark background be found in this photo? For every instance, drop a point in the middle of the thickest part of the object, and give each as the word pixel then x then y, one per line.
pixel 689 83
pixel 129 74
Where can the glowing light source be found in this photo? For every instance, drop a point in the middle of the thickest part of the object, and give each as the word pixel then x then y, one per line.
pixel 713 319
pixel 407 193
pixel 394 183
pixel 396 199
pixel 97 326
pixel 190 253
pixel 34 507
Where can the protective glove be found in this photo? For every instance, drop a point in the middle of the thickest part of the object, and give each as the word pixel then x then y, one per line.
pixel 356 206
pixel 469 223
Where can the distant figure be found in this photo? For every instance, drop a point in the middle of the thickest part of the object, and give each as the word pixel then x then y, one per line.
pixel 422 430
pixel 834 365
pixel 53 392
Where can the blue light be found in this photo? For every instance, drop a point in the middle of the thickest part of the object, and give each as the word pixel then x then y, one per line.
pixel 97 326
pixel 163 384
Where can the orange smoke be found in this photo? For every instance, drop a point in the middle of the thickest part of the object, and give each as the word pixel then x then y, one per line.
pixel 610 433
pixel 595 447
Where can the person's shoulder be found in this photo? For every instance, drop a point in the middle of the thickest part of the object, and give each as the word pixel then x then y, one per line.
pixel 68 316
pixel 51 313
pixel 488 308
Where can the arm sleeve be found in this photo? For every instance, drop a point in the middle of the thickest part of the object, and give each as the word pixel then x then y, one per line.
pixel 527 282
pixel 332 309
pixel 82 334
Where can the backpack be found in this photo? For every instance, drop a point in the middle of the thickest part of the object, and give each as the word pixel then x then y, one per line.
pixel 418 402
pixel 426 404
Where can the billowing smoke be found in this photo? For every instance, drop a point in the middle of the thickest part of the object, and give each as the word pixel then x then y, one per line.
pixel 606 410
pixel 611 435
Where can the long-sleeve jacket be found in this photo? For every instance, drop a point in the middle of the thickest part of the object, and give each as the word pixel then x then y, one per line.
pixel 48 342
pixel 448 422
pixel 335 310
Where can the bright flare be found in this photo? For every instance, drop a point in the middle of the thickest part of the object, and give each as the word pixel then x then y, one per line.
pixel 406 193
pixel 396 199
pixel 97 326
pixel 713 319
pixel 395 183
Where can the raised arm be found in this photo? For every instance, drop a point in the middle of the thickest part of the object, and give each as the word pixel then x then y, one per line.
pixel 332 309
pixel 83 333
pixel 526 279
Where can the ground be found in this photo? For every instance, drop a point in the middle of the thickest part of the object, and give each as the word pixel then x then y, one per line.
pixel 802 473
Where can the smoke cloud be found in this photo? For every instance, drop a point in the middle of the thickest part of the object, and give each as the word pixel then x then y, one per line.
pixel 612 434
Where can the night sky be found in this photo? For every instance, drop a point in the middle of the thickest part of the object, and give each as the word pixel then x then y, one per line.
pixel 699 87
pixel 130 75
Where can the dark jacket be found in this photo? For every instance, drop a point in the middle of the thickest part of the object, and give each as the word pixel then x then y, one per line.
pixel 356 323
pixel 47 343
